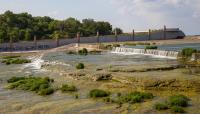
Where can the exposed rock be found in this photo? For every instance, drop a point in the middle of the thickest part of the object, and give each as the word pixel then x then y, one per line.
pixel 101 76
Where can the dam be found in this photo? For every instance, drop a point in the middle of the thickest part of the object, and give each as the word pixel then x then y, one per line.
pixel 157 53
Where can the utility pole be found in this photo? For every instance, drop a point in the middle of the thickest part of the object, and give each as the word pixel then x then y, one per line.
pixel 116 38
pixel 35 42
pixel 149 34
pixel 133 35
pixel 164 32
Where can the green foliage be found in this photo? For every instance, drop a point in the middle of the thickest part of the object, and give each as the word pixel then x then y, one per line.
pixel 10 57
pixel 68 88
pixel 129 44
pixel 187 52
pixel 177 109
pixel 161 106
pixel 24 26
pixel 118 30
pixel 46 91
pixel 15 61
pixel 178 100
pixel 151 47
pixel 39 85
pixel 80 66
pixel 135 97
pixel 84 51
pixel 96 93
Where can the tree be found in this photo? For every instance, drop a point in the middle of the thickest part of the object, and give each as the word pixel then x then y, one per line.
pixel 28 34
pixel 118 30
pixel 72 27
pixel 14 34
pixel 104 28
pixel 89 27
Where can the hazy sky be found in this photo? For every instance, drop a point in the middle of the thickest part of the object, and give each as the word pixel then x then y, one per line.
pixel 126 14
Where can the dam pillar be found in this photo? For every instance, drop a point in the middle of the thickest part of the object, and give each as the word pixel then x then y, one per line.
pixel 57 42
pixel 164 32
pixel 149 34
pixel 78 38
pixel 35 42
pixel 97 37
pixel 116 38
pixel 133 35
pixel 11 44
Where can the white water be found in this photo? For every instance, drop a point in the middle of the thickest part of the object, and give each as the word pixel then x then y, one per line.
pixel 156 53
pixel 36 63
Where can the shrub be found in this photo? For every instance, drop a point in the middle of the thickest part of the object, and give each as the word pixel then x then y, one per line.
pixel 151 47
pixel 187 52
pixel 161 106
pixel 46 91
pixel 36 84
pixel 95 93
pixel 84 51
pixel 80 66
pixel 116 45
pixel 68 88
pixel 178 100
pixel 177 109
pixel 135 97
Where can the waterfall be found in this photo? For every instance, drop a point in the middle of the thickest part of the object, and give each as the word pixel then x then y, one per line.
pixel 158 53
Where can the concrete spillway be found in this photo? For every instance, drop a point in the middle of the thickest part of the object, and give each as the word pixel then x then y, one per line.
pixel 158 53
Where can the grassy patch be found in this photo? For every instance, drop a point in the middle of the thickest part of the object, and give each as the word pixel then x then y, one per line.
pixel 68 88
pixel 161 106
pixel 80 66
pixel 151 47
pixel 41 86
pixel 175 103
pixel 178 100
pixel 187 52
pixel 97 93
pixel 16 61
pixel 10 57
pixel 135 97
pixel 177 109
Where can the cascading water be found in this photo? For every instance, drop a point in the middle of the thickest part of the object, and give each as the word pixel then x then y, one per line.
pixel 158 53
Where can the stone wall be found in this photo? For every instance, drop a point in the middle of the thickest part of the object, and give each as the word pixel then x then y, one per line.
pixel 47 44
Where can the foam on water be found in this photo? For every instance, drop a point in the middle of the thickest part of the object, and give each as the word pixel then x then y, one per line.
pixel 36 63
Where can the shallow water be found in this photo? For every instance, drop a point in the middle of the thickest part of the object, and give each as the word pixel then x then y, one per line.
pixel 16 101
pixel 173 47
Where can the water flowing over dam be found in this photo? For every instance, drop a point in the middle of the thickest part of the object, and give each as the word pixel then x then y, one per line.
pixel 157 53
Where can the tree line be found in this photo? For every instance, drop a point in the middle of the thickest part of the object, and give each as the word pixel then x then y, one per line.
pixel 23 27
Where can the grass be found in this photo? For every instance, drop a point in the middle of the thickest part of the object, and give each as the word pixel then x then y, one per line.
pixel 80 66
pixel 68 88
pixel 175 103
pixel 135 97
pixel 161 106
pixel 178 100
pixel 177 109
pixel 187 52
pixel 10 57
pixel 41 86
pixel 97 93
pixel 15 61
pixel 151 47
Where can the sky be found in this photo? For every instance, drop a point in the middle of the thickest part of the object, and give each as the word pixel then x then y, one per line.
pixel 139 15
